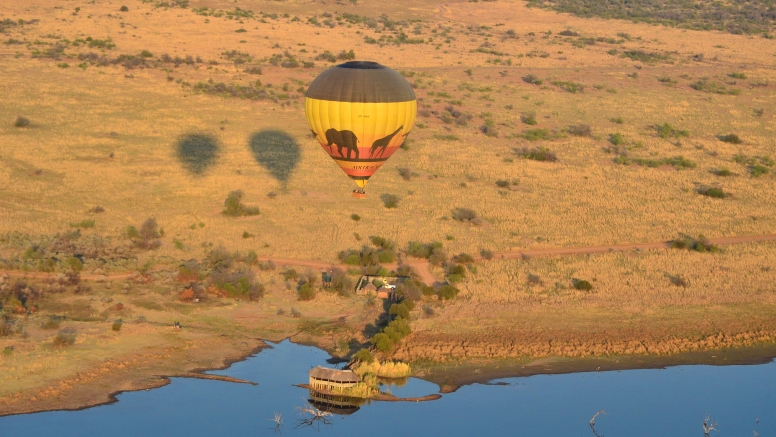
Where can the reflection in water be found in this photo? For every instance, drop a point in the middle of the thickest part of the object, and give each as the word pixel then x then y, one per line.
pixel 336 404
pixel 197 152
pixel 276 151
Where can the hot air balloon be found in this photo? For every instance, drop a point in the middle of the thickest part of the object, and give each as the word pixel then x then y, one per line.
pixel 360 112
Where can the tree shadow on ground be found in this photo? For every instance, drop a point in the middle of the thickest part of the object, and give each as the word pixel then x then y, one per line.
pixel 276 151
pixel 198 152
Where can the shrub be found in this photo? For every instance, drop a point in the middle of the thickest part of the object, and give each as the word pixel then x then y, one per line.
pixel 405 173
pixel 64 338
pixel 580 130
pixel 447 292
pixel 486 254
pixel 502 183
pixel 423 250
pixel 618 120
pixel 124 9
pixel 536 134
pixel 666 131
pixel 22 121
pixel 399 310
pixel 616 138
pixel 529 118
pixel 572 87
pixel 700 244
pixel 355 217
pixel 723 171
pixel 737 75
pixel 117 325
pixel 390 200
pixel 146 54
pixel 52 322
pixel 86 224
pixel 382 342
pixel 533 80
pixel 234 207
pixel 537 154
pixel 306 291
pixel 463 258
pixel 76 264
pixel 758 170
pixel 364 355
pixel 247 235
pixel 583 285
pixel 730 138
pixel 714 192
pixel 464 215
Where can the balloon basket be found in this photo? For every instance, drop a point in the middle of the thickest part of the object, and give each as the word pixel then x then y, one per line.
pixel 358 194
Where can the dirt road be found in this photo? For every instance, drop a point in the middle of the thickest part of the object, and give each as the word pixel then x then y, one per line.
pixel 421 266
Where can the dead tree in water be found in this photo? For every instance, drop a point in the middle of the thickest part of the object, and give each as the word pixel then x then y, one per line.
pixel 278 419
pixel 709 425
pixel 316 416
pixel 592 423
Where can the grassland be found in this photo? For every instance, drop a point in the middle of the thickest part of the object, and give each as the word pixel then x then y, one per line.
pixel 163 111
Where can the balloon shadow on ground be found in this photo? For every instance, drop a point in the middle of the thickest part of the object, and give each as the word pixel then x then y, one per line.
pixel 276 151
pixel 198 152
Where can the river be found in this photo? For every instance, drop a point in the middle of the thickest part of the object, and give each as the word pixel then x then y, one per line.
pixel 655 402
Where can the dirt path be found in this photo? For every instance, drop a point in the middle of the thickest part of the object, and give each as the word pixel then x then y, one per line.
pixel 421 267
pixel 442 10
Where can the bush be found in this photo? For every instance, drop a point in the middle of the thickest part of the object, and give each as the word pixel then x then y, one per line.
pixel 666 131
pixel 533 80
pixel 399 310
pixel 117 325
pixel 22 121
pixel 502 183
pixel 541 154
pixel 616 139
pixel 75 264
pixel 463 258
pixel 723 171
pixel 405 173
pixel 572 87
pixel 390 200
pixel 730 138
pixel 580 130
pixel 382 342
pixel 464 215
pixel 700 244
pixel 364 355
pixel 423 250
pixel 486 254
pixel 306 291
pixel 529 118
pixel 65 337
pixel 758 170
pixel 86 224
pixel 52 322
pixel 447 292
pixel 583 285
pixel 124 9
pixel 234 207
pixel 355 217
pixel 714 192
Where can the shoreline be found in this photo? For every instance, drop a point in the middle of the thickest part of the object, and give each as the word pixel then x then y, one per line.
pixel 452 375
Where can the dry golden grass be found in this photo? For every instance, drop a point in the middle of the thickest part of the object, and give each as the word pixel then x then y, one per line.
pixel 53 171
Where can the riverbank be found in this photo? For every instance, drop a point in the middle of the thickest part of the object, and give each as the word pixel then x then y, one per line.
pixel 145 354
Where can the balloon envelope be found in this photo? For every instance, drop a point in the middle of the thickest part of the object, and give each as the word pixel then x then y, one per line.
pixel 360 112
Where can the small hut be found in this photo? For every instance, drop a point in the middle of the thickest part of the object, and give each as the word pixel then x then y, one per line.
pixel 369 288
pixel 332 380
pixel 383 292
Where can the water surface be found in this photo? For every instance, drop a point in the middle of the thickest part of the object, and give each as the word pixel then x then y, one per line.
pixel 665 402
